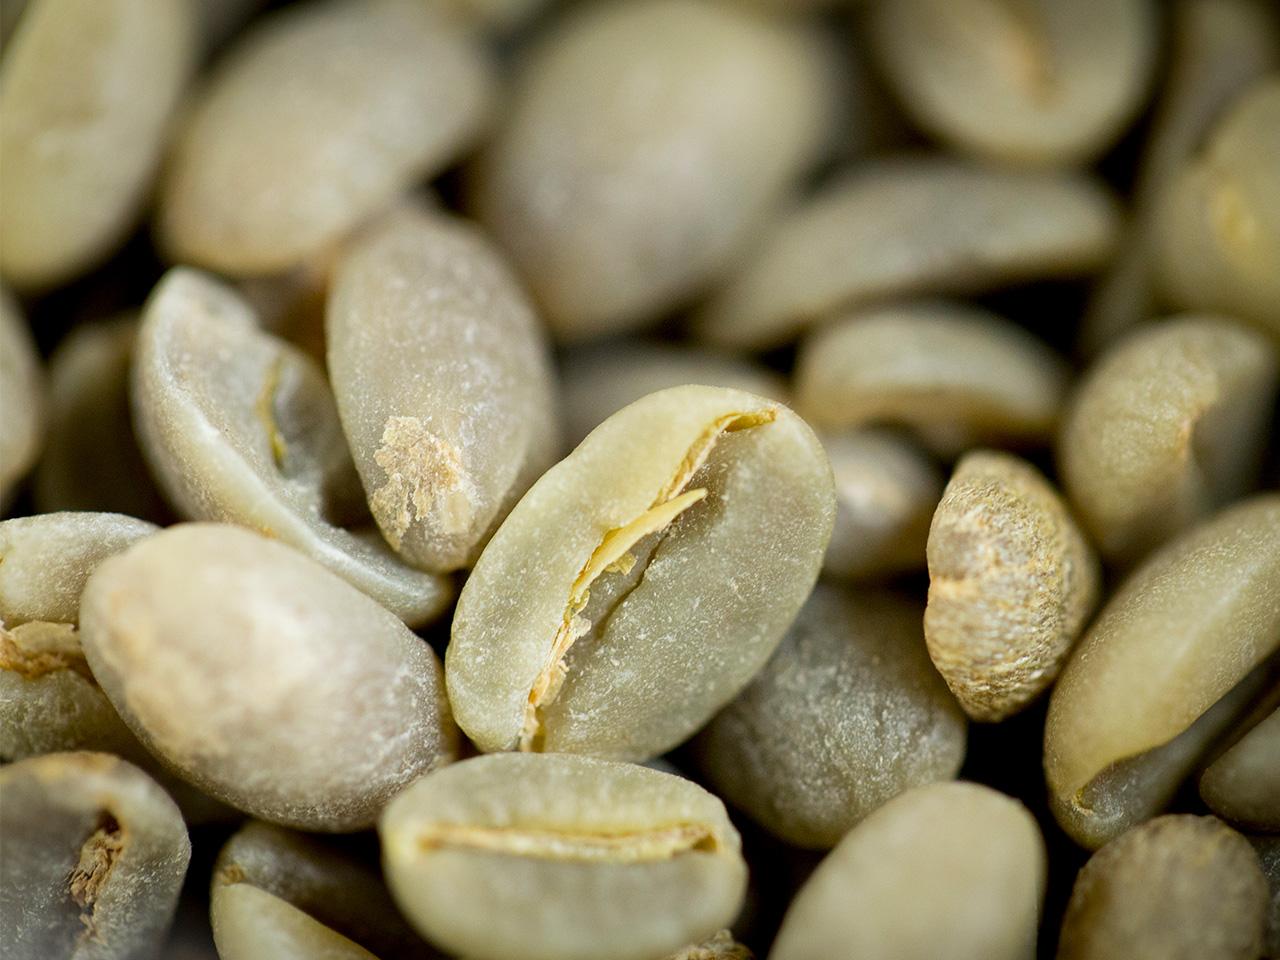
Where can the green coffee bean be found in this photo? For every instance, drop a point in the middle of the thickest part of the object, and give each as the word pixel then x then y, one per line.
pixel 87 90
pixel 1036 82
pixel 626 863
pixel 281 895
pixel 91 460
pixel 1268 850
pixel 49 699
pixel 1219 223
pixel 910 227
pixel 94 857
pixel 952 870
pixel 1176 888
pixel 644 579
pixel 599 380
pixel 1163 671
pixel 22 397
pixel 248 433
pixel 1012 582
pixel 1166 427
pixel 227 653
pixel 847 714
pixel 645 143
pixel 957 375
pixel 318 117
pixel 1218 47
pixel 443 382
pixel 722 946
pixel 1243 785
pixel 886 492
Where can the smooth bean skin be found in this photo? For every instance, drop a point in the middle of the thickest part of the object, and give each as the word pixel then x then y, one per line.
pixel 1166 426
pixel 1219 222
pixel 628 863
pixel 443 382
pixel 1176 888
pixel 316 118
pixel 87 91
pixel 644 144
pixel 1243 785
pixel 22 397
pixel 91 459
pixel 1039 83
pixel 1163 668
pixel 973 855
pixel 225 652
pixel 847 714
pixel 250 434
pixel 282 895
pixel 955 228
pixel 887 488
pixel 94 857
pixel 644 579
pixel 956 375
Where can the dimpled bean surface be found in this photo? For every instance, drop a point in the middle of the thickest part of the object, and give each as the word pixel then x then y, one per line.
pixel 226 653
pixel 94 858
pixel 443 382
pixel 241 427
pixel 627 863
pixel 1176 888
pixel 847 714
pixel 1012 581
pixel 644 579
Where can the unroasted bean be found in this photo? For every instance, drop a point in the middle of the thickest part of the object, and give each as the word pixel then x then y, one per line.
pixel 230 656
pixel 1219 47
pixel 847 714
pixel 1135 705
pixel 317 118
pixel 86 92
pixel 22 397
pixel 600 380
pixel 951 870
pixel 956 374
pixel 443 383
pixel 91 460
pixel 1026 82
pixel 1012 582
pixel 644 579
pixel 1243 785
pixel 722 946
pixel 645 143
pixel 1220 220
pixel 886 492
pixel 1177 888
pixel 94 857
pixel 561 858
pixel 281 895
pixel 49 699
pixel 241 427
pixel 1268 850
pixel 920 225
pixel 1166 426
